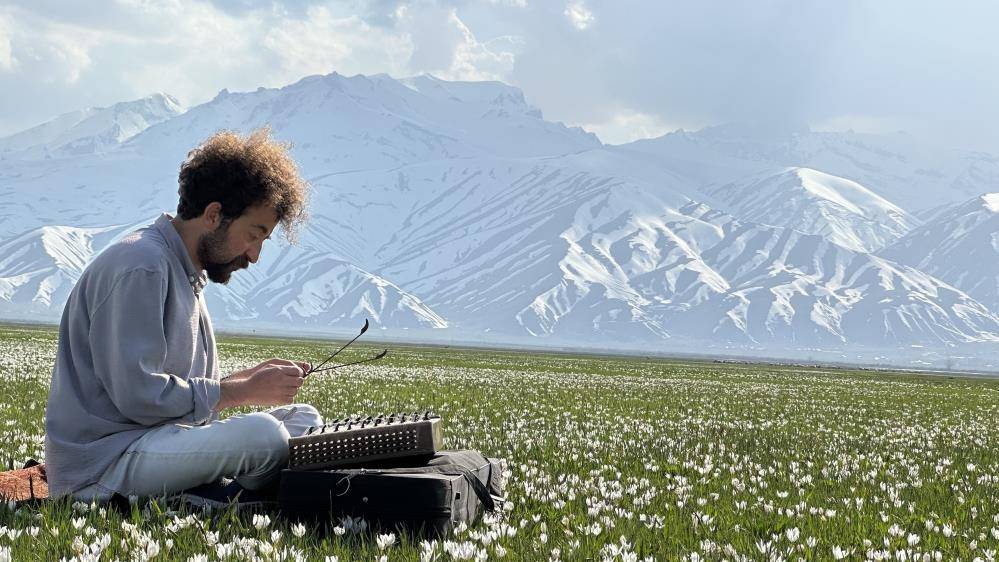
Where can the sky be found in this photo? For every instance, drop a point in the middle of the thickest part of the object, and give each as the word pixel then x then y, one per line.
pixel 624 69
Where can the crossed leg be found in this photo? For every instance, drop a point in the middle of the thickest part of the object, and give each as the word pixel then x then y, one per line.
pixel 252 448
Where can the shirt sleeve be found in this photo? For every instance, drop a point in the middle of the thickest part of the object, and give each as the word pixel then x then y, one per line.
pixel 129 347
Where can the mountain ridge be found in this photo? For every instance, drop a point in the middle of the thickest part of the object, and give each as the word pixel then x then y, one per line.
pixel 454 207
pixel 91 130
pixel 960 245
pixel 818 203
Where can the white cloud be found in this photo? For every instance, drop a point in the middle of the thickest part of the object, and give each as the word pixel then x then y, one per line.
pixel 7 59
pixel 856 123
pixel 579 15
pixel 511 3
pixel 478 61
pixel 52 62
pixel 446 47
pixel 322 42
pixel 193 53
pixel 627 125
pixel 673 63
pixel 52 52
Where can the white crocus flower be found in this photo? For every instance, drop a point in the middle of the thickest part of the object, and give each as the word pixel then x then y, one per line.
pixel 385 541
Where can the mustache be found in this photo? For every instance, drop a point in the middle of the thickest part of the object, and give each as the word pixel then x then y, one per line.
pixel 240 262
pixel 235 264
pixel 220 272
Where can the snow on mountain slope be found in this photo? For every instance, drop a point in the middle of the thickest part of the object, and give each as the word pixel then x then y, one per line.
pixel 959 245
pixel 338 124
pixel 814 202
pixel 559 252
pixel 488 244
pixel 540 248
pixel 912 174
pixel 39 268
pixel 310 288
pixel 84 191
pixel 453 207
pixel 341 123
pixel 92 130
pixel 790 286
pixel 746 284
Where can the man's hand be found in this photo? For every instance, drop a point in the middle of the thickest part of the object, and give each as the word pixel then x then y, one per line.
pixel 272 383
pixel 245 373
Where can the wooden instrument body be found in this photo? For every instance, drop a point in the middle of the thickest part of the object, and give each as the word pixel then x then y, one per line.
pixel 356 441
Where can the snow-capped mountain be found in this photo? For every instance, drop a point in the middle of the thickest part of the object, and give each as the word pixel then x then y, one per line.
pixel 315 289
pixel 339 124
pixel 593 255
pixel 815 202
pixel 92 130
pixel 455 208
pixel 38 268
pixel 959 245
pixel 786 286
pixel 912 174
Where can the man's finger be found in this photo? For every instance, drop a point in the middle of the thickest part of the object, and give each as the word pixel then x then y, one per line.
pixel 291 382
pixel 290 370
pixel 292 366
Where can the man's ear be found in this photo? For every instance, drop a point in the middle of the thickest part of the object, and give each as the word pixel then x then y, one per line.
pixel 212 215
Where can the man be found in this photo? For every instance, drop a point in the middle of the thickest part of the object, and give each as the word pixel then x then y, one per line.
pixel 135 395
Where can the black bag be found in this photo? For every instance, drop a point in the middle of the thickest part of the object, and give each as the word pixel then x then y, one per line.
pixel 430 496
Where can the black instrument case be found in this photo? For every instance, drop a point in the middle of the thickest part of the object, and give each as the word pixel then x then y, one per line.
pixel 421 494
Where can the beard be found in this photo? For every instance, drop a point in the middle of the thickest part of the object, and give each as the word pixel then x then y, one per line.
pixel 214 258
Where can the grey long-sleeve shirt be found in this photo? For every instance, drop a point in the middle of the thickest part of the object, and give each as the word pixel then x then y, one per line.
pixel 136 350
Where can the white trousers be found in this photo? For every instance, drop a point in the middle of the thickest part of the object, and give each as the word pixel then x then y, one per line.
pixel 252 448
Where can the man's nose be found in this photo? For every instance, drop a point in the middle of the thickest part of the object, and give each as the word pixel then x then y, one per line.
pixel 253 254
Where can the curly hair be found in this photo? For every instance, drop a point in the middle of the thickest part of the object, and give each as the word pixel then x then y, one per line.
pixel 241 172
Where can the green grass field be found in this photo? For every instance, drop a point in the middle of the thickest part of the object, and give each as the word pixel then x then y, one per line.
pixel 610 459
